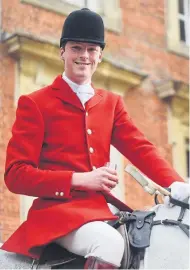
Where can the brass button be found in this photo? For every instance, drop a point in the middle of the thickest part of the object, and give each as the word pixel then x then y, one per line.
pixel 61 193
pixel 89 131
pixel 56 193
pixel 86 113
pixel 91 150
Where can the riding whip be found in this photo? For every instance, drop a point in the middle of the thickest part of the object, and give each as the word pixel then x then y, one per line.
pixel 147 184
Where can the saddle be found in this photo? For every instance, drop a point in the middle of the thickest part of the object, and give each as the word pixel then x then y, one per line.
pixel 57 257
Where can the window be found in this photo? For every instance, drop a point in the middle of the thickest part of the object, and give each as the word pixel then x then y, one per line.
pixel 78 3
pixel 183 17
pixel 177 26
pixel 111 13
pixel 91 4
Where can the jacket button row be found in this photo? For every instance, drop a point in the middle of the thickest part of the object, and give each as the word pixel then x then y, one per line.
pixel 86 113
pixel 59 194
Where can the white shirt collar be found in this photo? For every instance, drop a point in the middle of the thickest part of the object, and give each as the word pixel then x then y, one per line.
pixel 78 88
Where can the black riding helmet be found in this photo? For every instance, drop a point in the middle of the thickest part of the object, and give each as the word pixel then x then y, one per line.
pixel 84 26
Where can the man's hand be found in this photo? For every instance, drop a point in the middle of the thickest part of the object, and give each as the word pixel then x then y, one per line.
pixel 179 191
pixel 101 179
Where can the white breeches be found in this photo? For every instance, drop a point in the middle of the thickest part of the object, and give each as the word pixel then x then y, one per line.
pixel 96 239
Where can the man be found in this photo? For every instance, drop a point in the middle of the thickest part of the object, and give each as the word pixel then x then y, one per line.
pixel 59 146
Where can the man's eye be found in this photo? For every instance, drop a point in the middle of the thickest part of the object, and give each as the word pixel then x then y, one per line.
pixel 76 48
pixel 92 49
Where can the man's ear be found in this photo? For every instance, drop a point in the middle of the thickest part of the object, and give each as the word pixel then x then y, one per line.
pixel 62 51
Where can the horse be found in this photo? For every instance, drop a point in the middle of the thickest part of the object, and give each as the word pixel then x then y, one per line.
pixel 163 242
pixel 169 244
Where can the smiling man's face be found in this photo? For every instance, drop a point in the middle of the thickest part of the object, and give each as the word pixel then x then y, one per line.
pixel 81 60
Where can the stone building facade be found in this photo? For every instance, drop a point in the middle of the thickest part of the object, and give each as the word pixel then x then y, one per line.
pixel 145 61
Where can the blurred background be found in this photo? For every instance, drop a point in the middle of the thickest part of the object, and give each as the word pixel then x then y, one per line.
pixel 146 61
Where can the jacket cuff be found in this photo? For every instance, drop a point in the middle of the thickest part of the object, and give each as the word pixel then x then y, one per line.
pixel 58 185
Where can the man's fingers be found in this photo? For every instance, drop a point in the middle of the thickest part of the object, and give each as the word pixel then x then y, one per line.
pixel 111 171
pixel 111 177
pixel 105 188
pixel 109 183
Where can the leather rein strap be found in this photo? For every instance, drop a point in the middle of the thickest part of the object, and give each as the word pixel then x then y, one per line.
pixel 182 204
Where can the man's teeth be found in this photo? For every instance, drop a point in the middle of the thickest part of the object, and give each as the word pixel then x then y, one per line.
pixel 82 63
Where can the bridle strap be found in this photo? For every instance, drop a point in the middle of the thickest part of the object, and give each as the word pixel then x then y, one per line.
pixel 184 227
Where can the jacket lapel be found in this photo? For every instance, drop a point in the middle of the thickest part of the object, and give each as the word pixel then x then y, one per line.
pixel 94 100
pixel 63 91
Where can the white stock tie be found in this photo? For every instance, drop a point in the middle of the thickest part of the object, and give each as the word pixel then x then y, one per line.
pixel 84 94
pixel 84 91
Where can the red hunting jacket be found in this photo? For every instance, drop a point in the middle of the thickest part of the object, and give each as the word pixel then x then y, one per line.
pixel 50 141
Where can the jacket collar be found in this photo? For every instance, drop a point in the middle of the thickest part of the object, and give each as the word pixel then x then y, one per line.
pixel 63 91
